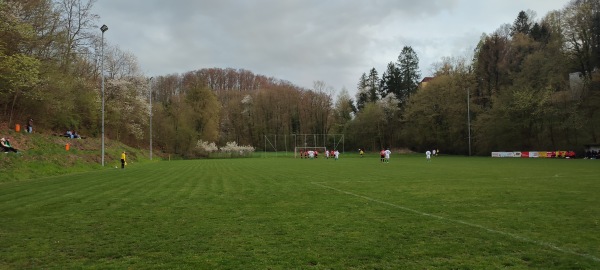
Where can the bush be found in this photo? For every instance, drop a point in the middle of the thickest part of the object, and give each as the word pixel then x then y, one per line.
pixel 231 149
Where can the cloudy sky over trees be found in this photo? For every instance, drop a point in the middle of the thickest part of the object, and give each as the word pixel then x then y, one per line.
pixel 302 41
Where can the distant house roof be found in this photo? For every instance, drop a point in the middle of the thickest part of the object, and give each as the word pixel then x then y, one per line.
pixel 426 79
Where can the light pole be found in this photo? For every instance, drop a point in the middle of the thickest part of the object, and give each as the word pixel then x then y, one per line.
pixel 150 113
pixel 469 118
pixel 103 29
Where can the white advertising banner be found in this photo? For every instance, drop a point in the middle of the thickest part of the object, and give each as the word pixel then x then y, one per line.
pixel 505 154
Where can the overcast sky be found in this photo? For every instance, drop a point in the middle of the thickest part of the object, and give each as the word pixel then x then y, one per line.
pixel 302 41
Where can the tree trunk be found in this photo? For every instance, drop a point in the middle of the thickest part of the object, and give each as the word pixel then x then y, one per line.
pixel 12 109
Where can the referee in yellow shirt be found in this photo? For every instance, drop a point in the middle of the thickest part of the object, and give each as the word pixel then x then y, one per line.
pixel 123 157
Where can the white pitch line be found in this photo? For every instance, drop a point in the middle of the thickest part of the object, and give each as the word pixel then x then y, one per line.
pixel 514 236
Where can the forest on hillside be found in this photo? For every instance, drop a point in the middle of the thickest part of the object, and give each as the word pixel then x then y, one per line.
pixel 533 84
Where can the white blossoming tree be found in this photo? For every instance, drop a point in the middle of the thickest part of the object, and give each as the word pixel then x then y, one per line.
pixel 231 149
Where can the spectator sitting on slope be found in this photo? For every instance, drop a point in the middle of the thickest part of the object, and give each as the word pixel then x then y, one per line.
pixel 5 143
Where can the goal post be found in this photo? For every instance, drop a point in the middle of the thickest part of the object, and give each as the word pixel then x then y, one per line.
pixel 280 144
pixel 319 142
pixel 298 151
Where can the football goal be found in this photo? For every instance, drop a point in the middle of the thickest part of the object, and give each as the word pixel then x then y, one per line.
pixel 302 152
pixel 283 144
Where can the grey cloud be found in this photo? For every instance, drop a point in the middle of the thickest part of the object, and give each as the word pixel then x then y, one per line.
pixel 301 41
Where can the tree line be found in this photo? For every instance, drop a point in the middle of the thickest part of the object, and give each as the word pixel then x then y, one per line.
pixel 530 85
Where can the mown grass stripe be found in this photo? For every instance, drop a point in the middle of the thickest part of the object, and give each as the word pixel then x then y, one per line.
pixel 514 236
pixel 266 213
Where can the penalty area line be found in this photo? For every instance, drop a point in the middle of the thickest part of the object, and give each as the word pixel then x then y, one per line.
pixel 510 235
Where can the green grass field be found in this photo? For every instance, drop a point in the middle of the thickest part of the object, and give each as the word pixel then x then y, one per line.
pixel 284 213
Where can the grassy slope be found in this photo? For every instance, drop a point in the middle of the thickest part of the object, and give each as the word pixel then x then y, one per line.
pixel 280 213
pixel 43 155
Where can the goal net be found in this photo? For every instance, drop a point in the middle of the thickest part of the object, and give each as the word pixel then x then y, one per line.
pixel 302 152
pixel 281 143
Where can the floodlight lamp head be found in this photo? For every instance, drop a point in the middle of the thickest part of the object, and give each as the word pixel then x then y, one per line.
pixel 103 28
